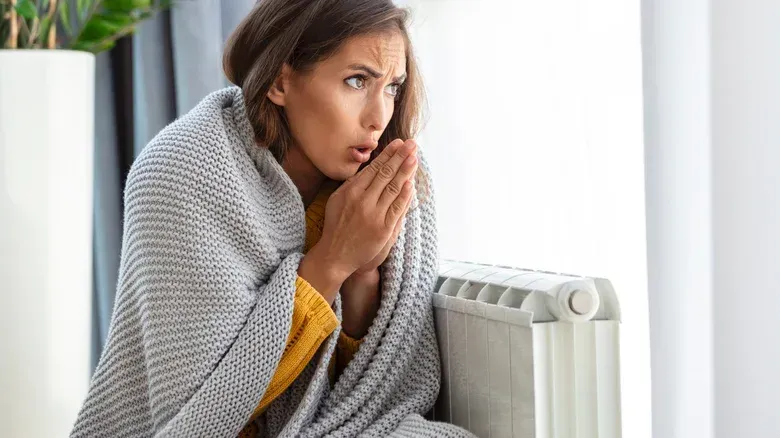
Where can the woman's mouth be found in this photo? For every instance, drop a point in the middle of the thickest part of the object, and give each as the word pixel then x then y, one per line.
pixel 360 154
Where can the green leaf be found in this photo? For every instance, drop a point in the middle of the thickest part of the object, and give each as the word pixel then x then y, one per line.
pixel 113 20
pixel 26 9
pixel 81 7
pixel 117 19
pixel 44 31
pixel 100 27
pixel 94 47
pixel 65 16
pixel 126 5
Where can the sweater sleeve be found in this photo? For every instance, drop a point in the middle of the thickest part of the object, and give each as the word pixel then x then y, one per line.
pixel 346 348
pixel 312 322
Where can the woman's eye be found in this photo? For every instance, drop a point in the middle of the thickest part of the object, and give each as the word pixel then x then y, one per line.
pixel 393 89
pixel 356 82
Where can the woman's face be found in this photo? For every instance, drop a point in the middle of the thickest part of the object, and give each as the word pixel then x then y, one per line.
pixel 338 110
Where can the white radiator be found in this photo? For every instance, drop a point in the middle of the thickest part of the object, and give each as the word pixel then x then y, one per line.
pixel 527 354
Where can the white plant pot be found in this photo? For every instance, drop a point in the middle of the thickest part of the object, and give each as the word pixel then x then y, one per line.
pixel 46 167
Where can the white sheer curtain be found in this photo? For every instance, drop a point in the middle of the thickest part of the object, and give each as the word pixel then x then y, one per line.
pixel 535 139
pixel 712 95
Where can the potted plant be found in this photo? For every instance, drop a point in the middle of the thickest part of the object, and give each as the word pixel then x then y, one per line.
pixel 47 72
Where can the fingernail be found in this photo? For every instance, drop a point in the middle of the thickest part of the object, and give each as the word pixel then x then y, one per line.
pixel 411 159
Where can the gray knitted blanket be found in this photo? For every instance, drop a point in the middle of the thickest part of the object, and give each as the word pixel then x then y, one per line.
pixel 213 234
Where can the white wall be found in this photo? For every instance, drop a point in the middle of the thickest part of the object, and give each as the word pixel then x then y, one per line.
pixel 535 139
pixel 712 82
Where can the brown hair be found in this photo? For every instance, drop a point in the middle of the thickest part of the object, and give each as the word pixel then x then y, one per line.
pixel 301 33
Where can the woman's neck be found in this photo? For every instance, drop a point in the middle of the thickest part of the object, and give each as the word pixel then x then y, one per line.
pixel 306 177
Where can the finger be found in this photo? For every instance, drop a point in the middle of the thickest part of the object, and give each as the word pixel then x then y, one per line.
pixel 393 188
pixel 398 206
pixel 364 178
pixel 393 238
pixel 389 170
pixel 397 230
pixel 400 222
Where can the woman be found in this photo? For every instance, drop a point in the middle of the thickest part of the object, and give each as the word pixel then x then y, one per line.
pixel 268 285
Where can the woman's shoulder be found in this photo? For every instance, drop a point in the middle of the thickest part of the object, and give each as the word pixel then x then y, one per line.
pixel 200 167
pixel 199 148
pixel 200 133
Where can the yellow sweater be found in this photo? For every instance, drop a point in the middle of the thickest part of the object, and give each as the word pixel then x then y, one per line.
pixel 312 322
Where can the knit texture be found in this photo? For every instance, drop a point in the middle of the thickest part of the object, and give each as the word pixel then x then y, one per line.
pixel 213 234
pixel 312 322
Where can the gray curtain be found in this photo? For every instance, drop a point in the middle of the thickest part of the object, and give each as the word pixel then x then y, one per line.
pixel 143 84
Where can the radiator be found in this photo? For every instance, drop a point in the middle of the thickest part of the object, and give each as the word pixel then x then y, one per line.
pixel 527 354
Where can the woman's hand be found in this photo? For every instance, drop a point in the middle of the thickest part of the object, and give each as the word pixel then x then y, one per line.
pixel 361 218
pixel 380 258
pixel 360 295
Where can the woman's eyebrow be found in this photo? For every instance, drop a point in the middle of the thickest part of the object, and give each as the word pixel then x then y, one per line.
pixel 375 74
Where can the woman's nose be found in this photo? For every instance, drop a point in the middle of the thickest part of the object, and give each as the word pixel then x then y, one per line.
pixel 377 114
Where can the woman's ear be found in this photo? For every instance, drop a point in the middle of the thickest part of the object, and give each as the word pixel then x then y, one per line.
pixel 278 91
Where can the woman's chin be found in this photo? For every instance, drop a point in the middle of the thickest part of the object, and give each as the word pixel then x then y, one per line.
pixel 344 172
pixel 342 169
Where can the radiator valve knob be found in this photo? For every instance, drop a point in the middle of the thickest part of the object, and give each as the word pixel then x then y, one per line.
pixel 580 302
